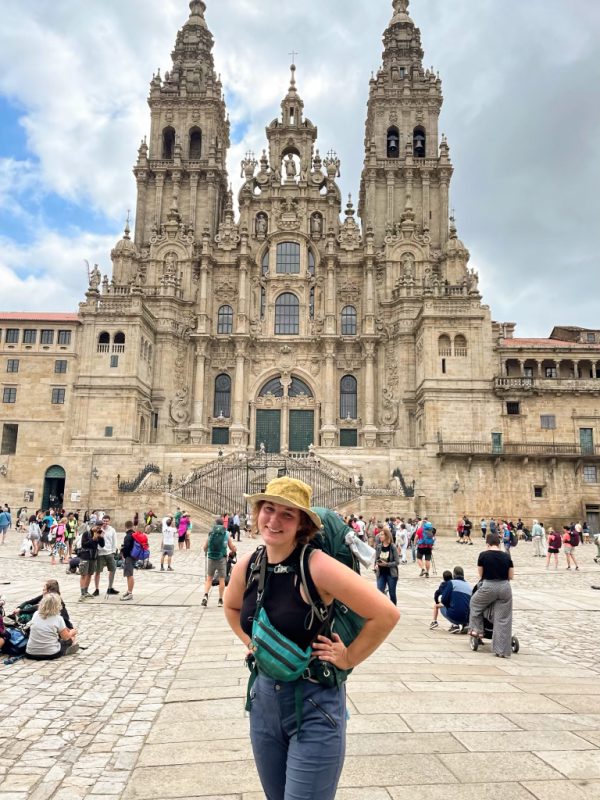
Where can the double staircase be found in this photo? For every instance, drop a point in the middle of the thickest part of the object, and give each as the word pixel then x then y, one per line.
pixel 219 486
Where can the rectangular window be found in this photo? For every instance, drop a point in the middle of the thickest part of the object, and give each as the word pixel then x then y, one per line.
pixel 12 365
pixel 590 338
pixel 528 372
pixel 64 337
pixel 586 441
pixel 348 437
pixel 58 397
pixel 288 258
pixel 513 409
pixel 12 336
pixel 9 439
pixel 108 431
pixel 538 491
pixel 548 422
pixel 114 361
pixel 47 337
pixel 60 365
pixel 9 394
pixel 550 372
pixel 29 336
pixel 443 366
pixel 590 473
pixel 220 436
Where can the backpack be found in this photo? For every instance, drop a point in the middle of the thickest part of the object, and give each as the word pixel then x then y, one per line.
pixel 574 538
pixel 555 541
pixel 15 642
pixel 514 539
pixel 217 541
pixel 139 552
pixel 427 539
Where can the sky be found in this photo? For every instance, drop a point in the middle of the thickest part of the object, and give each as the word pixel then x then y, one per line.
pixel 521 113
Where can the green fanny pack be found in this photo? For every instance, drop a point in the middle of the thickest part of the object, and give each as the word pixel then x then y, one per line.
pixel 275 655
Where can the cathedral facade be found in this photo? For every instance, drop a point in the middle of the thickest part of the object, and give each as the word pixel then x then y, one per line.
pixel 299 324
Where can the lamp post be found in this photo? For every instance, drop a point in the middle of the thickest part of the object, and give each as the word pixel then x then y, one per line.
pixel 361 482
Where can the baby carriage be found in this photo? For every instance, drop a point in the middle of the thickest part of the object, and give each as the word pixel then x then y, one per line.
pixel 488 629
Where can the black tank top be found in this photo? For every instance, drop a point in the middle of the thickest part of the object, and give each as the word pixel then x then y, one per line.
pixel 283 603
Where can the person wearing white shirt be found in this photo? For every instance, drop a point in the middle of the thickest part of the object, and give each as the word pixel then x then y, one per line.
pixel 106 557
pixel 168 544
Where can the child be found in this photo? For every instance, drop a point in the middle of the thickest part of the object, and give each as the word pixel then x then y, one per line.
pixel 447 576
pixel 168 544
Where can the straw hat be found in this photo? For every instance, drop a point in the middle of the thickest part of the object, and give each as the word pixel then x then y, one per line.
pixel 288 492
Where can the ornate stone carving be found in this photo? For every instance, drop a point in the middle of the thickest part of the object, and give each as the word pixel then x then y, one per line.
pixel 226 291
pixel 287 217
pixel 389 414
pixel 179 409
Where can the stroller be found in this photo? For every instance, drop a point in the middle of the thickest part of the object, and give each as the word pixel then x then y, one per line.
pixel 231 560
pixel 488 629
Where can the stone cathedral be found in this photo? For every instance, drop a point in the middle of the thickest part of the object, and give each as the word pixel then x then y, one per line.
pixel 300 326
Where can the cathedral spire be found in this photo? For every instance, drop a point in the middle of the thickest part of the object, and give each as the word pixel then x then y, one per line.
pixel 197 11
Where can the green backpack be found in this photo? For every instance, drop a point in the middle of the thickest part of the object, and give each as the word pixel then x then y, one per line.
pixel 217 543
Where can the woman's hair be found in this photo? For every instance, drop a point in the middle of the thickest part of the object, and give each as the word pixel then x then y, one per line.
pixel 32 518
pixel 52 586
pixel 492 540
pixel 387 533
pixel 49 606
pixel 306 527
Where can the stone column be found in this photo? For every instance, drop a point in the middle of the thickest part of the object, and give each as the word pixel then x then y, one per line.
pixel 330 395
pixel 426 199
pixel 444 183
pixel 140 214
pixel 389 219
pixel 160 184
pixel 198 428
pixel 330 315
pixel 369 430
pixel 239 432
pixel 193 199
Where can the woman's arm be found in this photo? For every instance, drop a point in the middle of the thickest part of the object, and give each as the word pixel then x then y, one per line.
pixel 334 580
pixel 234 596
pixel 480 571
pixel 511 573
pixel 67 633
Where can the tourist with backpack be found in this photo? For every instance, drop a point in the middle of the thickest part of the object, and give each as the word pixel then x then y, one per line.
pixel 285 602
pixel 129 559
pixel 88 553
pixel 554 545
pixel 570 541
pixel 215 548
pixel 425 540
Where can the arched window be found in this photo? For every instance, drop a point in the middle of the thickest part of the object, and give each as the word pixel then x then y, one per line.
pixel 265 263
pixel 103 342
pixel 444 345
pixel 348 321
pixel 460 345
pixel 393 143
pixel 195 144
pixel 222 404
pixel 119 338
pixel 419 142
pixel 225 320
pixel 348 398
pixel 168 143
pixel 311 263
pixel 287 314
pixel 288 258
pixel 299 389
pixel 273 388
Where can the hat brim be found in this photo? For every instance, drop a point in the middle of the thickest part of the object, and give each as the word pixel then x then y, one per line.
pixel 283 501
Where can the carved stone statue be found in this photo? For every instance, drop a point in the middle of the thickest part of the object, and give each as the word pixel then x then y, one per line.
pixel 290 168
pixel 261 225
pixel 170 265
pixel 316 224
pixel 94 277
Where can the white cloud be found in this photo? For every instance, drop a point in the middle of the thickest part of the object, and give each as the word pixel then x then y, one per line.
pixel 518 82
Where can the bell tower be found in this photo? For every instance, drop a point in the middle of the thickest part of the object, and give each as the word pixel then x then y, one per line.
pixel 181 173
pixel 407 170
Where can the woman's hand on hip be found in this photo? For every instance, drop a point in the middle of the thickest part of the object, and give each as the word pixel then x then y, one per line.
pixel 332 650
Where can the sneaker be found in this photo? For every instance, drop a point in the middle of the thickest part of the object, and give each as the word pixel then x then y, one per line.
pixel 204 601
pixel 220 603
pixel 162 569
pixel 170 569
pixel 96 593
pixel 126 596
pixel 433 625
pixel 454 629
pixel 110 590
pixel 73 648
pixel 422 573
pixel 426 574
pixel 84 597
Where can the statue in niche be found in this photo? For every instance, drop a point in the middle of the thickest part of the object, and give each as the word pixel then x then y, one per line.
pixel 261 224
pixel 170 265
pixel 316 225
pixel 408 266
pixel 290 168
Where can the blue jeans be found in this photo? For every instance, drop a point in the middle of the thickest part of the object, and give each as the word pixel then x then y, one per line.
pixel 293 767
pixel 385 579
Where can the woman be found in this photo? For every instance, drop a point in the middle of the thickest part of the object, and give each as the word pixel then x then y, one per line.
pixel 182 530
pixel 49 637
pixel 298 728
pixel 25 610
pixel 554 545
pixel 386 563
pixel 569 540
pixel 496 571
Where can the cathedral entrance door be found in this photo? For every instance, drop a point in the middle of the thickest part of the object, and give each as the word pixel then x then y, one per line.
pixel 54 487
pixel 268 429
pixel 302 430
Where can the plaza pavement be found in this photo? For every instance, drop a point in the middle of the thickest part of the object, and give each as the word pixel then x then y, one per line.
pixel 153 709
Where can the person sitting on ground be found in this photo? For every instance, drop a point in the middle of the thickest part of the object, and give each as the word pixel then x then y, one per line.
pixel 49 637
pixel 437 604
pixel 216 549
pixel 25 610
pixel 455 600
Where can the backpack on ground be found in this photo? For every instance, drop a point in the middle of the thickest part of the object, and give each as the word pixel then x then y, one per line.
pixel 15 642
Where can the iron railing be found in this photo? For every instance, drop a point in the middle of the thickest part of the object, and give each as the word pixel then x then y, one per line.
pixel 132 486
pixel 551 449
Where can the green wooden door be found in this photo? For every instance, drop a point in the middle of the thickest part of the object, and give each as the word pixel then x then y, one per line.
pixel 586 440
pixel 268 429
pixel 302 430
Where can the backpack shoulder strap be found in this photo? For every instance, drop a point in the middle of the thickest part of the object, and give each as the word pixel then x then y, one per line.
pixel 253 567
pixel 319 609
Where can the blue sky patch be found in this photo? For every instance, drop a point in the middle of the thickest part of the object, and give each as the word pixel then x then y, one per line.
pixel 13 140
